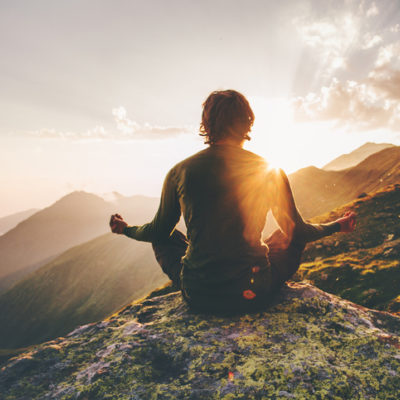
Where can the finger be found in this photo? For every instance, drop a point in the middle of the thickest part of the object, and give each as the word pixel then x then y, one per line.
pixel 111 219
pixel 118 216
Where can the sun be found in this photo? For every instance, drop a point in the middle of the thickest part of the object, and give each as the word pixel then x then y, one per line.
pixel 276 136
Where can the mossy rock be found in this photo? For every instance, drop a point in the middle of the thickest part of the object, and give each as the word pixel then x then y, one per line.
pixel 307 345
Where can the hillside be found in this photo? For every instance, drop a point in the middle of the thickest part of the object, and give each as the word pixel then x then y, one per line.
pixel 317 191
pixel 86 283
pixel 356 156
pixel 363 266
pixel 74 219
pixel 10 221
pixel 309 345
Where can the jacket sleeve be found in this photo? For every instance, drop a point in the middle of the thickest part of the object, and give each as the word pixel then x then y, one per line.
pixel 166 218
pixel 290 221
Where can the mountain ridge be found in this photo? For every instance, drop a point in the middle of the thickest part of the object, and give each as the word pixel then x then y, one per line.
pixel 317 191
pixel 10 221
pixel 353 158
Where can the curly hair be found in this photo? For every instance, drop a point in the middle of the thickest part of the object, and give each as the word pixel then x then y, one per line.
pixel 226 113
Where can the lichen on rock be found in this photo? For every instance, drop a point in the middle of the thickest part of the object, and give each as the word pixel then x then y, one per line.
pixel 307 345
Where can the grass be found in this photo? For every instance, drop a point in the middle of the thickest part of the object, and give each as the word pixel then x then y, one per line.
pixel 363 266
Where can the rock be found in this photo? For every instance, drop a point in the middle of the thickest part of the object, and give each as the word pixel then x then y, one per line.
pixel 389 237
pixel 308 344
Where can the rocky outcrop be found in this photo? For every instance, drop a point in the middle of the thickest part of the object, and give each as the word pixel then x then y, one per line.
pixel 308 345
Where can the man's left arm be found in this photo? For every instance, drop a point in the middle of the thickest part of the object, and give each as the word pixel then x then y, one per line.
pixel 291 222
pixel 166 218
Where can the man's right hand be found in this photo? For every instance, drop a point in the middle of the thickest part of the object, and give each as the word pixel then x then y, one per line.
pixel 117 224
pixel 347 222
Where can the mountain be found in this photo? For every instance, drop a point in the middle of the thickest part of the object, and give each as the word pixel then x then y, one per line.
pixel 307 345
pixel 362 266
pixel 10 221
pixel 84 284
pixel 356 156
pixel 317 191
pixel 74 219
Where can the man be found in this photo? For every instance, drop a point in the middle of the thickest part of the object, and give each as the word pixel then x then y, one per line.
pixel 224 193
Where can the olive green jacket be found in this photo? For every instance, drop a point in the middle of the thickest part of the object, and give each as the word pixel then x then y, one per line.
pixel 224 193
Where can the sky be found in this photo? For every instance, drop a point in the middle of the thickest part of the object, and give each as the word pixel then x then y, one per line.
pixel 106 96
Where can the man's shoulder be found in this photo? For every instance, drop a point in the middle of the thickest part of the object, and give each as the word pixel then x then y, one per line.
pixel 239 154
pixel 254 160
pixel 252 155
pixel 191 159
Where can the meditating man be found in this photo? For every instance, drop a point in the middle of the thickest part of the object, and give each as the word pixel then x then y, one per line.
pixel 224 193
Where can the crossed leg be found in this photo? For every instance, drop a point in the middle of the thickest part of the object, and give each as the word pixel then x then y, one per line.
pixel 284 257
pixel 169 254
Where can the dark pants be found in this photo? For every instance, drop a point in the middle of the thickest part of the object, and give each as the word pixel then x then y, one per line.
pixel 249 292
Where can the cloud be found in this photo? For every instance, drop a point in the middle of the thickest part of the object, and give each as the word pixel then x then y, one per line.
pixel 371 41
pixel 97 132
pixel 386 81
pixel 366 101
pixel 126 129
pixel 337 34
pixel 388 54
pixel 371 104
pixel 124 124
pixel 132 129
pixel 331 38
pixel 372 10
pixel 395 28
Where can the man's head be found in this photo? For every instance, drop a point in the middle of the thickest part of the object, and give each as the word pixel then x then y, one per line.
pixel 226 115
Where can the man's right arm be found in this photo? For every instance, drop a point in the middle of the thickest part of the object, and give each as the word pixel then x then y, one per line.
pixel 166 218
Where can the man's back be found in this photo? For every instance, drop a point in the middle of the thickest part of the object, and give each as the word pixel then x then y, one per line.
pixel 223 196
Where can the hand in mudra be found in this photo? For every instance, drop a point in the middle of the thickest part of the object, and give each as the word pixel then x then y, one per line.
pixel 117 224
pixel 347 222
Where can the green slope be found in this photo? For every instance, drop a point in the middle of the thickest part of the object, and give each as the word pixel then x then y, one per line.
pixel 86 283
pixel 363 266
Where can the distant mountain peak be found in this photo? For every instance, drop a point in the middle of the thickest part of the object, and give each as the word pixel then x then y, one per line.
pixel 356 156
pixel 112 197
pixel 79 196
